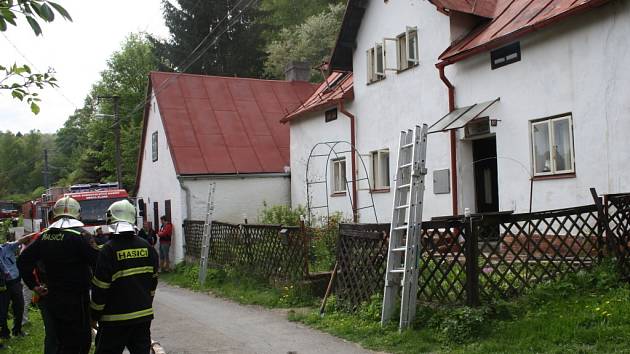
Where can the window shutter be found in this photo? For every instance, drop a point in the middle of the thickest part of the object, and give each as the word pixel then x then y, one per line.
pixel 389 54
pixel 379 59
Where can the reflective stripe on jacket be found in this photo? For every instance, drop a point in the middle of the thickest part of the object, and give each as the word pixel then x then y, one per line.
pixel 124 281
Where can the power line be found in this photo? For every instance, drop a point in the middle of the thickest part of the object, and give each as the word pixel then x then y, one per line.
pixel 36 68
pixel 186 64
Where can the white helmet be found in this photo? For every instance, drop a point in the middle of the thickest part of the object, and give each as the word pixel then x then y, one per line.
pixel 121 216
pixel 67 207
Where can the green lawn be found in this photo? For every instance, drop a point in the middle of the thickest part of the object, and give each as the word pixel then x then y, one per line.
pixel 33 343
pixel 589 313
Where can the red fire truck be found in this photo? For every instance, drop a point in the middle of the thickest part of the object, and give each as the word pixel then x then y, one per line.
pixel 94 199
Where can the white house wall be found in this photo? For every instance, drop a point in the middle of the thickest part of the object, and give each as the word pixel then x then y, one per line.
pixel 306 133
pixel 578 66
pixel 158 181
pixel 237 198
pixel 402 100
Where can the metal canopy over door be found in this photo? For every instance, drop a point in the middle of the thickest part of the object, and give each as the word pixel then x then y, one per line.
pixel 486 175
pixel 460 117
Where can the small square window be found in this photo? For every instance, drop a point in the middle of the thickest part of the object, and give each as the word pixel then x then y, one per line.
pixel 505 55
pixel 338 175
pixel 330 115
pixel 380 169
pixel 154 145
pixel 552 146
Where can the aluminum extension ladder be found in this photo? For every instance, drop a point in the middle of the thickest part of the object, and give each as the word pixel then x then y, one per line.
pixel 207 232
pixel 401 276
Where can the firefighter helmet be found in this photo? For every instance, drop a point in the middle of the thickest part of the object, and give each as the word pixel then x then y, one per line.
pixel 67 207
pixel 121 215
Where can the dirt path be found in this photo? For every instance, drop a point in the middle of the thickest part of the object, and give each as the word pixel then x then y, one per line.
pixel 194 323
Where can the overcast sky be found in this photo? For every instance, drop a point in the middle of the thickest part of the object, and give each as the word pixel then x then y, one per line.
pixel 77 51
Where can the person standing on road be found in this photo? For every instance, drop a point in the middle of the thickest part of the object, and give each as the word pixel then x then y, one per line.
pixel 13 293
pixel 67 252
pixel 165 234
pixel 50 336
pixel 123 286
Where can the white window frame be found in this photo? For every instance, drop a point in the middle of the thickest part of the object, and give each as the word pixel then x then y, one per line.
pixel 380 58
pixel 412 31
pixel 379 182
pixel 372 64
pixel 552 145
pixel 338 175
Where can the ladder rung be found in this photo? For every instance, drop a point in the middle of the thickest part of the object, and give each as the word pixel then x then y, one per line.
pixel 406 165
pixel 361 208
pixel 357 180
pixel 402 207
pixel 403 227
pixel 319 207
pixel 397 270
pixel 406 146
pixel 316 182
pixel 399 249
pixel 404 186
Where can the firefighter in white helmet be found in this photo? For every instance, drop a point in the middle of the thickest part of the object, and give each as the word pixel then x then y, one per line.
pixel 67 253
pixel 124 285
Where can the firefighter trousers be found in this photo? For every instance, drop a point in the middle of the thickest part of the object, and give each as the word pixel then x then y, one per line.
pixel 69 312
pixel 113 339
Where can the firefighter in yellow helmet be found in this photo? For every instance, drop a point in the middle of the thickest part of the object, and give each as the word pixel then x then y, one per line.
pixel 67 253
pixel 123 286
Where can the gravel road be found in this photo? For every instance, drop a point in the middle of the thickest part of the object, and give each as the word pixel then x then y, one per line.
pixel 194 323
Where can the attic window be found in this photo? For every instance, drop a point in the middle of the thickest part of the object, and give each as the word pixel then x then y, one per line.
pixel 331 115
pixel 154 146
pixel 505 55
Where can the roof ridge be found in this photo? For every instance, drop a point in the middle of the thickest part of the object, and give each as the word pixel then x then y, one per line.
pixel 230 77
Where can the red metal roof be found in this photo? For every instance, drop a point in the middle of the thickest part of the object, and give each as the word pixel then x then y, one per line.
pixel 226 125
pixel 336 87
pixel 483 8
pixel 511 20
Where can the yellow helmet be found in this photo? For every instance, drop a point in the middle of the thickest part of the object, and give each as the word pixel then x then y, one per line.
pixel 122 216
pixel 68 207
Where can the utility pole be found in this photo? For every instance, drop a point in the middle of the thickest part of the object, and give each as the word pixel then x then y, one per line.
pixel 46 185
pixel 117 137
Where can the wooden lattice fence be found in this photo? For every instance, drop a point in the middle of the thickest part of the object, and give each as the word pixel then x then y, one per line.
pixel 488 256
pixel 263 250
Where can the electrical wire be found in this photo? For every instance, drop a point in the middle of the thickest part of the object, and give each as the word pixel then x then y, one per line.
pixel 190 60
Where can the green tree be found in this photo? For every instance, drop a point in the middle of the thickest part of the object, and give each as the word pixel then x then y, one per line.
pixel 86 142
pixel 19 80
pixel 282 14
pixel 231 40
pixel 309 42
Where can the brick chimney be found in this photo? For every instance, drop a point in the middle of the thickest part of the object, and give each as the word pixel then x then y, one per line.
pixel 297 71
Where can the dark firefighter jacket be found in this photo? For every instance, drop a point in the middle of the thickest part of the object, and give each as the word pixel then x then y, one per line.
pixel 124 281
pixel 67 255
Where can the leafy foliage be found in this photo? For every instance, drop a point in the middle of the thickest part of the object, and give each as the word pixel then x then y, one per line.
pixel 281 215
pixel 21 164
pixel 86 143
pixel 309 42
pixel 19 80
pixel 233 45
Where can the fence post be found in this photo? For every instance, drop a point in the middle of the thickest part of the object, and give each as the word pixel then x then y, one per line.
pixel 305 244
pixel 602 223
pixel 472 268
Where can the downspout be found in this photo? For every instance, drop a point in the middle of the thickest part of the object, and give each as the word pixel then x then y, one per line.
pixel 353 164
pixel 187 192
pixel 453 136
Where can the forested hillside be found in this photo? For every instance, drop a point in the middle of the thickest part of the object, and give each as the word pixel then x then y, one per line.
pixel 245 38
